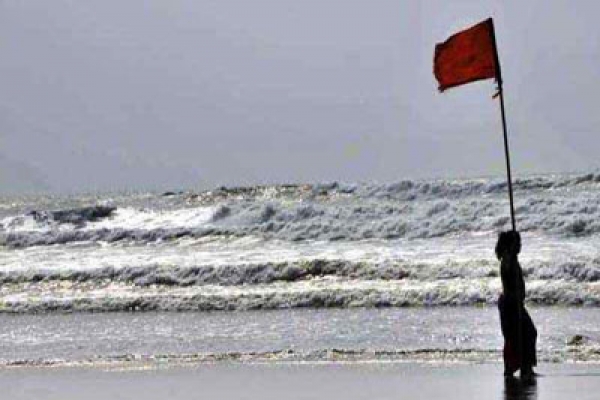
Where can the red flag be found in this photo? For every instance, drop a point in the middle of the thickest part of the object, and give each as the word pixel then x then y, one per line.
pixel 467 56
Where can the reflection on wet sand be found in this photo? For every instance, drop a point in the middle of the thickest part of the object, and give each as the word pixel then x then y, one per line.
pixel 520 389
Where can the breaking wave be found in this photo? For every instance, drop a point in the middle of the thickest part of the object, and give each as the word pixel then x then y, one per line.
pixel 567 206
pixel 569 216
pixel 406 190
pixel 113 297
pixel 308 251
pixel 76 216
pixel 582 271
pixel 28 239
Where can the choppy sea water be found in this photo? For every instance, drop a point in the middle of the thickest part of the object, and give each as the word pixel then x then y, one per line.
pixel 412 252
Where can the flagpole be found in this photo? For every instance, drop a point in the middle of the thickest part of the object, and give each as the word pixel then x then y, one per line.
pixel 502 112
pixel 507 154
pixel 510 191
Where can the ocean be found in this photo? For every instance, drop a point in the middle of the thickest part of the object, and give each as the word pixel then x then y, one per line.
pixel 305 273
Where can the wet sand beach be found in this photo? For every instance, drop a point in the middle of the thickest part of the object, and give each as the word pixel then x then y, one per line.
pixel 347 381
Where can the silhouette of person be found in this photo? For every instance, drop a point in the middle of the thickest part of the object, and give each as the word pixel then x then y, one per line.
pixel 518 330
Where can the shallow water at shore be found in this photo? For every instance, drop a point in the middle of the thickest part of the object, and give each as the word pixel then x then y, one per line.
pixel 444 334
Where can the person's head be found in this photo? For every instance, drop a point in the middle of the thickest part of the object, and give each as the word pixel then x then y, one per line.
pixel 508 243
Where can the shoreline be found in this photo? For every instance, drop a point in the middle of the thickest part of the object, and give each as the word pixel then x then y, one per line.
pixel 437 357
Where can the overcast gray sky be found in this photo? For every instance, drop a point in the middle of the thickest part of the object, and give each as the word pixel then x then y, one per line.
pixel 108 95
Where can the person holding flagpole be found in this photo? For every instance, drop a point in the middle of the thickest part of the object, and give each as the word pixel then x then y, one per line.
pixel 468 56
pixel 519 332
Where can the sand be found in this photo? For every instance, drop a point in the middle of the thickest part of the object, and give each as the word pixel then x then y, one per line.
pixel 301 381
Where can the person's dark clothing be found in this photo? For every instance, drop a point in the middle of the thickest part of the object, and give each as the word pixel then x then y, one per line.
pixel 510 312
pixel 514 318
pixel 513 284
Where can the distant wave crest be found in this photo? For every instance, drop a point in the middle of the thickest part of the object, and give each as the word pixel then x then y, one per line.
pixel 567 206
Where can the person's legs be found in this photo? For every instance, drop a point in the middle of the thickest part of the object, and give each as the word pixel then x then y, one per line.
pixel 508 324
pixel 529 340
pixel 511 363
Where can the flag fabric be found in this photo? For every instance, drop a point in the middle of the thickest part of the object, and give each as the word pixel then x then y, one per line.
pixel 467 56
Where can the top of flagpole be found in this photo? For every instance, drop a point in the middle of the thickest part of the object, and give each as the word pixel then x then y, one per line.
pixel 496 57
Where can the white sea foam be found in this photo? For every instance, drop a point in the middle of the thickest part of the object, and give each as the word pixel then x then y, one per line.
pixel 168 293
pixel 131 219
pixel 405 210
pixel 432 235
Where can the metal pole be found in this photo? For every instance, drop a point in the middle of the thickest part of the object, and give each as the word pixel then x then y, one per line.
pixel 507 154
